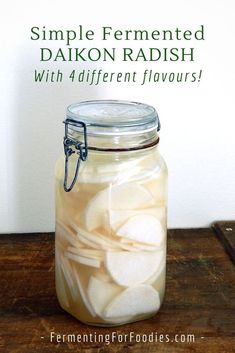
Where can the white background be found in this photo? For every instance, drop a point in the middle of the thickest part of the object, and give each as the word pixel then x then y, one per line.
pixel 197 136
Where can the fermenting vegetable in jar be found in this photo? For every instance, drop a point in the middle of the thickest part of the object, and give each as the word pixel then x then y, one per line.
pixel 111 213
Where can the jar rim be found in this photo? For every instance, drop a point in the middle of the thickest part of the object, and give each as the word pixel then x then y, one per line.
pixel 114 117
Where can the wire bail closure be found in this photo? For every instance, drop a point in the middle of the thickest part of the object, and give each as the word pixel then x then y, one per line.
pixel 73 146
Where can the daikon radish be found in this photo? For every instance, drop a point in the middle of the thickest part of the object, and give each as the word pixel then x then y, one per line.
pixel 83 293
pixel 137 246
pixel 137 300
pixel 158 188
pixel 145 247
pixel 99 240
pixel 67 228
pixel 156 276
pixel 103 276
pixel 67 272
pixel 160 269
pixel 101 173
pixel 83 260
pixel 60 287
pixel 64 232
pixel 100 293
pixel 90 244
pixel 116 218
pixel 92 253
pixel 132 268
pixel 143 228
pixel 118 196
pixel 128 247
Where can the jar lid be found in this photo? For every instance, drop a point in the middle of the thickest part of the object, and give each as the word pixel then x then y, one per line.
pixel 114 117
pixel 106 125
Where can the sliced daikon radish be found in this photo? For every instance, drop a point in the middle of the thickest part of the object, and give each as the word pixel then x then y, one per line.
pixel 114 243
pixel 83 260
pixel 127 175
pixel 92 253
pixel 128 247
pixel 67 228
pixel 98 239
pixel 82 293
pixel 109 172
pixel 143 228
pixel 123 196
pixel 102 276
pixel 61 290
pixel 63 231
pixel 89 243
pixel 137 300
pixel 67 272
pixel 109 241
pixel 128 269
pixel 145 247
pixel 137 246
pixel 158 188
pixel 100 293
pixel 116 218
pixel 157 274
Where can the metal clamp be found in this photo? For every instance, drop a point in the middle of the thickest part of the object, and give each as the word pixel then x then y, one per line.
pixel 73 146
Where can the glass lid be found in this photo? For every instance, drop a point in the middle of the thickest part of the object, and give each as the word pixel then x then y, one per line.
pixel 114 117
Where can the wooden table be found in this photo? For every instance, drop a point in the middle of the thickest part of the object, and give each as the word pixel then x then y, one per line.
pixel 200 298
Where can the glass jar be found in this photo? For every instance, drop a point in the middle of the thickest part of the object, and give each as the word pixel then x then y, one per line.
pixel 111 191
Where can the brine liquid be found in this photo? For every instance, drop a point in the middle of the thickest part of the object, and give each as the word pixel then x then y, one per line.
pixel 111 241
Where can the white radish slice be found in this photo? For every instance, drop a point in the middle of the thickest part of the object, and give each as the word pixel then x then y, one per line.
pixel 157 274
pixel 145 247
pixel 92 253
pixel 128 269
pixel 106 173
pixel 67 272
pixel 89 243
pixel 97 239
pixel 114 245
pixel 124 196
pixel 64 232
pixel 82 293
pixel 128 247
pixel 158 188
pixel 67 229
pixel 83 260
pixel 143 228
pixel 137 246
pixel 100 241
pixel 102 276
pixel 137 300
pixel 128 175
pixel 100 294
pixel 61 290
pixel 117 218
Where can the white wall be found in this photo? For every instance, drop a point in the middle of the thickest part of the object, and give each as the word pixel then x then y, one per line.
pixel 197 137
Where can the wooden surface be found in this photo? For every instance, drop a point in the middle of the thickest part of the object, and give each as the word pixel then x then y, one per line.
pixel 226 233
pixel 200 299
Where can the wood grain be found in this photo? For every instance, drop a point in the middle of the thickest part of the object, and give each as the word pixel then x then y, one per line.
pixel 226 233
pixel 200 299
